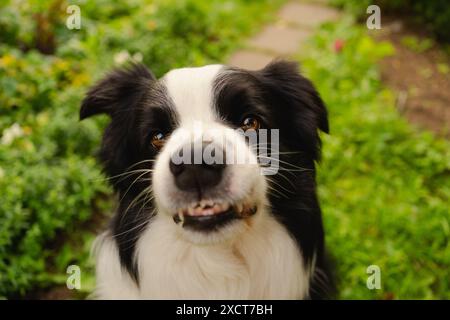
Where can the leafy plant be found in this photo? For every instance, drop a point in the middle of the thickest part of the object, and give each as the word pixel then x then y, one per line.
pixel 416 44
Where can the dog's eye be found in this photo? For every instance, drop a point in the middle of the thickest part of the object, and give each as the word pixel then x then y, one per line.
pixel 158 140
pixel 250 122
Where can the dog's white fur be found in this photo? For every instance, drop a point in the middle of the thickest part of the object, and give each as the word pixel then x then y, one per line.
pixel 252 259
pixel 263 263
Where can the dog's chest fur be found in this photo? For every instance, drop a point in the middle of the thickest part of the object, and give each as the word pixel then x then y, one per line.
pixel 265 263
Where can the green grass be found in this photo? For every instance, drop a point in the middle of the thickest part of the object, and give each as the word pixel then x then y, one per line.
pixel 384 186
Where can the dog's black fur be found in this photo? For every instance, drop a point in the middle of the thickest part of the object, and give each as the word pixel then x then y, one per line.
pixel 277 94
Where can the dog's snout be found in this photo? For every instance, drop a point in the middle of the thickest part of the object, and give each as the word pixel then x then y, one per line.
pixel 198 170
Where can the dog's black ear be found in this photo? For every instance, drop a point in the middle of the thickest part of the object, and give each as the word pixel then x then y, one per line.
pixel 122 88
pixel 296 96
pixel 296 89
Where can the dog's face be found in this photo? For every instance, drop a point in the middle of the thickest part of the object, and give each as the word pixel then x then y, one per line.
pixel 176 146
pixel 198 179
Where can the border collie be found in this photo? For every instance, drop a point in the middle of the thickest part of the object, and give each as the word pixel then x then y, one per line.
pixel 198 229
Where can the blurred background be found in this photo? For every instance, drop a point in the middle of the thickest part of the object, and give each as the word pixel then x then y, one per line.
pixel 384 178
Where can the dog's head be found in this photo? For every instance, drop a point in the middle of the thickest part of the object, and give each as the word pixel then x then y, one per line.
pixel 179 147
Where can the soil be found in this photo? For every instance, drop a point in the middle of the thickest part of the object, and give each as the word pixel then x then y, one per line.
pixel 421 79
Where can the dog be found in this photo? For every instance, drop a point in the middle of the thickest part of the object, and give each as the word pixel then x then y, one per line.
pixel 211 229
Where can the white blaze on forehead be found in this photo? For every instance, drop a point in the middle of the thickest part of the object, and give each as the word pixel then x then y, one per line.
pixel 191 90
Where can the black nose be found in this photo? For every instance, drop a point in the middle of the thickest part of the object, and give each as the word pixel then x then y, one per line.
pixel 198 173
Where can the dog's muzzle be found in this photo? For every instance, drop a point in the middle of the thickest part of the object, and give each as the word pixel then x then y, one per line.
pixel 196 179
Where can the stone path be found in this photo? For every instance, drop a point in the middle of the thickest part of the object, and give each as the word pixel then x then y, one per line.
pixel 294 23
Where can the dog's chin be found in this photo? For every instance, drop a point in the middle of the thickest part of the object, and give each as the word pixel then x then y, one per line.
pixel 224 234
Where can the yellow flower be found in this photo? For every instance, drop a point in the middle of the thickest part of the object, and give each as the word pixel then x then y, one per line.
pixel 27 130
pixel 61 65
pixel 7 60
pixel 28 146
pixel 42 118
pixel 80 79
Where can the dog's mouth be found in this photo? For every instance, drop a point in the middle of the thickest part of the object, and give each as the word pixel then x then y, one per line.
pixel 208 215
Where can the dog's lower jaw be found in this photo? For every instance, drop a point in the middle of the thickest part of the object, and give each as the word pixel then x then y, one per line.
pixel 262 263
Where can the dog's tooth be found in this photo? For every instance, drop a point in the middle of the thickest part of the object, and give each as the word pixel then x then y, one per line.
pixel 181 216
pixel 190 211
pixel 209 203
pixel 198 210
pixel 207 212
pixel 225 206
pixel 217 208
pixel 239 207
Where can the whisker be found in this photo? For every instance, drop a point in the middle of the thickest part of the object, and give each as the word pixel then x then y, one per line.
pixel 132 185
pixel 147 200
pixel 277 191
pixel 126 174
pixel 279 185
pixel 140 162
pixel 259 147
pixel 131 229
pixel 287 179
pixel 285 162
pixel 146 191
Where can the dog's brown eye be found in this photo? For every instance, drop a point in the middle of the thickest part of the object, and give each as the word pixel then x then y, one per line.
pixel 158 140
pixel 250 123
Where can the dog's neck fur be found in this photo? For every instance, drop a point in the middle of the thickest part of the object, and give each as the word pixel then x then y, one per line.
pixel 264 263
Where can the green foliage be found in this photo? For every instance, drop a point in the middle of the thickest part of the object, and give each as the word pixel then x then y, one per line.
pixel 432 15
pixel 416 44
pixel 49 180
pixel 383 186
